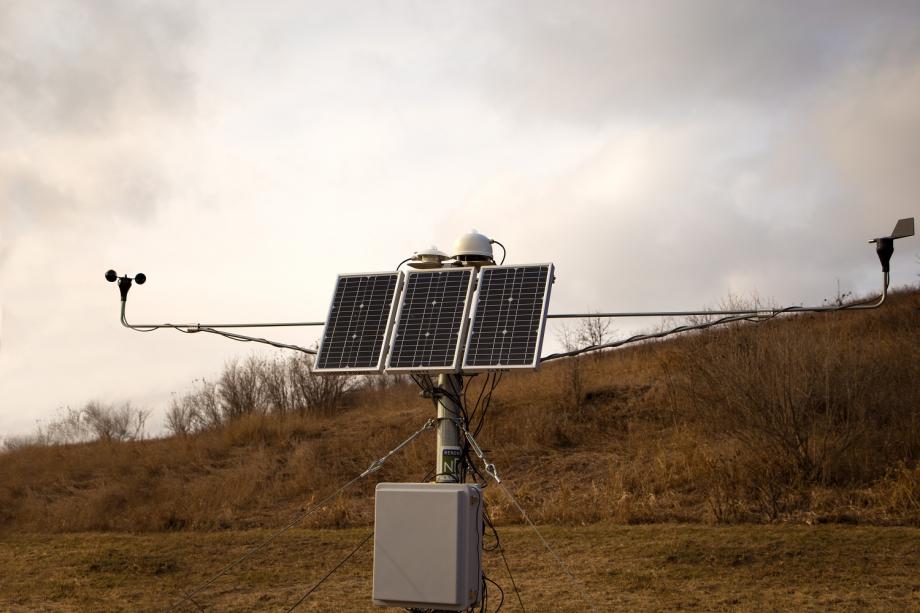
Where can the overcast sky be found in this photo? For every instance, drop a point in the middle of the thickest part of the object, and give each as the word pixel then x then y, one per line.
pixel 661 154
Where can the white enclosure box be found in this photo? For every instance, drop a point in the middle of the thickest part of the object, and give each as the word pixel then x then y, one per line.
pixel 427 545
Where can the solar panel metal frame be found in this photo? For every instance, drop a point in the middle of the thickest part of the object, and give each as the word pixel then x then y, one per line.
pixel 464 323
pixel 388 326
pixel 541 331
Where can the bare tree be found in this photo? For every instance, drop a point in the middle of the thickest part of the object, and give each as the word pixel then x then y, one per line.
pixel 573 389
pixel 592 332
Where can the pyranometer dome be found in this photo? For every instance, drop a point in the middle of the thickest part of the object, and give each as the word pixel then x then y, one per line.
pixel 472 246
pixel 428 258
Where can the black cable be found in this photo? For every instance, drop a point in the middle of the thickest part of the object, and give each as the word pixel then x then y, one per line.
pixel 467 385
pixel 329 574
pixel 510 576
pixel 231 335
pixel 501 593
pixel 487 403
pixel 687 328
pixel 244 339
pixel 501 550
pixel 266 541
pixel 403 262
pixel 504 251
pixel 373 468
pixel 485 383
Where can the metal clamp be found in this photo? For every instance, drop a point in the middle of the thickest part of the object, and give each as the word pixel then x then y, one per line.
pixel 490 468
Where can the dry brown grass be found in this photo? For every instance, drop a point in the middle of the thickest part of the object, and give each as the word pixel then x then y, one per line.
pixel 631 568
pixel 641 441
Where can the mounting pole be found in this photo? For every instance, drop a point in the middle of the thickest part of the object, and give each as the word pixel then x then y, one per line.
pixel 471 249
pixel 449 451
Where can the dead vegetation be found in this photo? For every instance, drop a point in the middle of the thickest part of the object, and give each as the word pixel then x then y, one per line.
pixel 661 567
pixel 807 419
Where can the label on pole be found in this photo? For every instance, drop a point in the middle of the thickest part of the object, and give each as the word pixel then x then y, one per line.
pixel 450 460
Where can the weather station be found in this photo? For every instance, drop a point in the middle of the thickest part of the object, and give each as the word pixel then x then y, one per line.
pixel 444 319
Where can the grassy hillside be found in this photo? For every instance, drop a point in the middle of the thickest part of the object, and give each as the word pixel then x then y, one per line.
pixel 810 419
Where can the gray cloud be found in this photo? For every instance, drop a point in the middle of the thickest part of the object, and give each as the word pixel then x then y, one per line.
pixel 589 61
pixel 86 67
pixel 81 83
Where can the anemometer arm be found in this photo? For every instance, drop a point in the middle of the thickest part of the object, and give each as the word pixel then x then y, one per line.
pixel 124 285
pixel 884 249
pixel 756 313
pixel 728 317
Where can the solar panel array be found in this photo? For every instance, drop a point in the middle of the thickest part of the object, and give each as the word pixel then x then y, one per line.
pixel 430 323
pixel 359 320
pixel 509 317
pixel 430 326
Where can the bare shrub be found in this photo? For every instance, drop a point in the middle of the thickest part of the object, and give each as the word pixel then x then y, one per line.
pixel 783 395
pixel 196 410
pixel 123 422
pixel 16 443
pixel 804 402
pixel 277 390
pixel 899 490
pixel 95 421
pixel 180 418
pixel 313 393
pixel 67 428
pixel 240 387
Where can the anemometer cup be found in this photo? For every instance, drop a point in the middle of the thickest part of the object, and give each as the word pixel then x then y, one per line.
pixel 124 283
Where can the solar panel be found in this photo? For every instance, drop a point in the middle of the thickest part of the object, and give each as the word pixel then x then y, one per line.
pixel 509 317
pixel 359 322
pixel 431 321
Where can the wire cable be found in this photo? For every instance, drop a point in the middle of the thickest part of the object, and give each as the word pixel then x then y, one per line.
pixel 501 550
pixel 578 584
pixel 492 472
pixel 329 574
pixel 190 329
pixel 374 467
pixel 504 251
pixel 501 594
pixel 188 595
pixel 768 315
pixel 517 593
pixel 249 339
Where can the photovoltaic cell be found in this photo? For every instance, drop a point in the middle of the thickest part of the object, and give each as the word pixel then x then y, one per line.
pixel 509 317
pixel 430 323
pixel 359 320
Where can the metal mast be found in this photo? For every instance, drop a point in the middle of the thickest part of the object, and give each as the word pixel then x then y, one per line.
pixel 447 468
